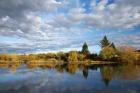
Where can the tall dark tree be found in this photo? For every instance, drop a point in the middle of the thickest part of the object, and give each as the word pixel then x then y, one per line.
pixel 104 42
pixel 113 46
pixel 85 49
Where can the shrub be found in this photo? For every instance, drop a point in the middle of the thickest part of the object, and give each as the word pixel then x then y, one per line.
pixel 108 53
pixel 127 54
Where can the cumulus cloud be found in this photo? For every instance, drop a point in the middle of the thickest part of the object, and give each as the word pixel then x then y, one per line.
pixel 46 23
pixel 117 15
pixel 131 39
pixel 19 16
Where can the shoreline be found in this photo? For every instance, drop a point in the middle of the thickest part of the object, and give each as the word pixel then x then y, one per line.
pixel 72 62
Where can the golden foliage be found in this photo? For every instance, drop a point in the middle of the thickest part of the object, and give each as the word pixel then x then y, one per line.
pixel 127 54
pixel 107 53
pixel 72 56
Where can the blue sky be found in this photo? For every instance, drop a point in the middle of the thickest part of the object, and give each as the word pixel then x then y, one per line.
pixel 40 26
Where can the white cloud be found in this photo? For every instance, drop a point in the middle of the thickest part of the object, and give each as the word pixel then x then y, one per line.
pixel 65 21
pixel 103 15
pixel 130 39
pixel 113 16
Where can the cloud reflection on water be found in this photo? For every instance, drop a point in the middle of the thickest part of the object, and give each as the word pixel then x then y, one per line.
pixel 77 79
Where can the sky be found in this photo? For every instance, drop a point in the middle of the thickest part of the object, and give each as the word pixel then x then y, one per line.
pixel 41 26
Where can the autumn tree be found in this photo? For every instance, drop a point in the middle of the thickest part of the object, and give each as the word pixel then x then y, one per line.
pixel 81 57
pixel 14 57
pixel 72 56
pixel 108 53
pixel 50 55
pixel 127 54
pixel 61 56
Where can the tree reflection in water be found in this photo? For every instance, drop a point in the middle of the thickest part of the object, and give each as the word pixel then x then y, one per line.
pixel 13 68
pixel 108 73
pixel 71 68
pixel 85 72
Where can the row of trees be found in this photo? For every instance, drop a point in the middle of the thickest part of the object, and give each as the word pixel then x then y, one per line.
pixel 109 52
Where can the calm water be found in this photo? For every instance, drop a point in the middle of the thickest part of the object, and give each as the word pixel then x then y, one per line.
pixel 70 78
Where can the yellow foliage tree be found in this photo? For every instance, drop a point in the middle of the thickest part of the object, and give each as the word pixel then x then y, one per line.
pixel 108 53
pixel 127 54
pixel 72 56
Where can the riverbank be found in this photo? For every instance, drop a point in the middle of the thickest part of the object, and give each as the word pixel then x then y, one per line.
pixel 61 63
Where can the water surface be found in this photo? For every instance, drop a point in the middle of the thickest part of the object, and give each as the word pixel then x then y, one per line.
pixel 70 78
